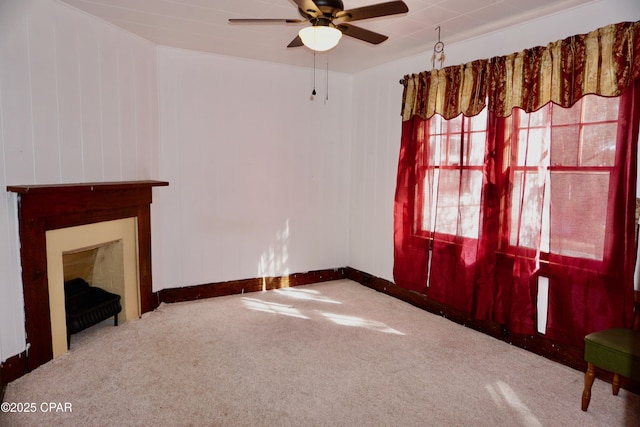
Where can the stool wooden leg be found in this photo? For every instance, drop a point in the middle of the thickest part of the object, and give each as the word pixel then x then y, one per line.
pixel 589 376
pixel 615 384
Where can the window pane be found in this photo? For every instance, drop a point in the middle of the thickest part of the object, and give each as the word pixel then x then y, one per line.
pixel 565 142
pixel 599 144
pixel 453 157
pixel 471 190
pixel 435 125
pixel 447 202
pixel 458 204
pixel 475 148
pixel 479 122
pixel 433 158
pixel 578 213
pixel 450 191
pixel 535 119
pixel 428 194
pixel 530 146
pixel 598 108
pixel 528 196
pixel 522 147
pixel 567 116
pixel 455 124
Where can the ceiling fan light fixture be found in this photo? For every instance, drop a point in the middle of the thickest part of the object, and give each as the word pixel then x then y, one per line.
pixel 320 37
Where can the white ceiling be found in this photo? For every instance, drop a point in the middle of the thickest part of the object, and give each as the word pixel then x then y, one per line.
pixel 202 25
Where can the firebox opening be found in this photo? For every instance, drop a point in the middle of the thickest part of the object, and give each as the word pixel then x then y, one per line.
pixel 103 254
pixel 93 285
pixel 101 266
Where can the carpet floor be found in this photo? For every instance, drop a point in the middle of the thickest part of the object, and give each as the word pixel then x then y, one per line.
pixel 328 354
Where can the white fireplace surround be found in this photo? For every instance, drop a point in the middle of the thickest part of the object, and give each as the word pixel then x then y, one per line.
pixel 60 241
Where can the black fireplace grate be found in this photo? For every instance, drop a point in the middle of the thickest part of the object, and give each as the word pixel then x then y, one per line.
pixel 87 305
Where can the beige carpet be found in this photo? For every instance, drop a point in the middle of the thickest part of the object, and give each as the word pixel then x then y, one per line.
pixel 329 354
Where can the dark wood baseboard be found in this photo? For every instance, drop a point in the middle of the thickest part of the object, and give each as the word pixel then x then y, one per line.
pixel 17 366
pixel 12 369
pixel 190 293
pixel 538 344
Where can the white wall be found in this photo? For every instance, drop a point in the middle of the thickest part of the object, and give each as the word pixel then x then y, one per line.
pixel 377 98
pixel 263 181
pixel 78 103
pixel 258 170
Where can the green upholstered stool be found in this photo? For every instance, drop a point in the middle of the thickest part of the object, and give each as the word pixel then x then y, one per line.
pixel 615 350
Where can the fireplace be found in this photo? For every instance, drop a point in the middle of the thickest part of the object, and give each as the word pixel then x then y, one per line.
pixel 48 210
pixel 104 255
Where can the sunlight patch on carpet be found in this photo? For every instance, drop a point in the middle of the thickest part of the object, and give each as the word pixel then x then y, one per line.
pixel 502 394
pixel 272 307
pixel 344 320
pixel 305 294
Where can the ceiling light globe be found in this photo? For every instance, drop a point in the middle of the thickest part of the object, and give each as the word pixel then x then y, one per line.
pixel 320 38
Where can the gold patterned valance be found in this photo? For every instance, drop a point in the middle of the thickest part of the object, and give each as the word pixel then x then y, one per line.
pixel 602 62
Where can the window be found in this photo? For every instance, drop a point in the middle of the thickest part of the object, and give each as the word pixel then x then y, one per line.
pixel 559 162
pixel 577 150
pixel 449 187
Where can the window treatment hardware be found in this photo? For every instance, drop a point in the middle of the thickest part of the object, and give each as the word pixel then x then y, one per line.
pixel 603 62
pixel 438 51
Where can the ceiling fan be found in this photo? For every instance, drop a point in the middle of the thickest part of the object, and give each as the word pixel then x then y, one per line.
pixel 329 21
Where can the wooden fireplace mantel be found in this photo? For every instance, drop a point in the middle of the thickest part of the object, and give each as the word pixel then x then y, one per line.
pixel 84 187
pixel 49 207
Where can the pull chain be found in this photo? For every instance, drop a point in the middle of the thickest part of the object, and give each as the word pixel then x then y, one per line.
pixel 327 74
pixel 313 92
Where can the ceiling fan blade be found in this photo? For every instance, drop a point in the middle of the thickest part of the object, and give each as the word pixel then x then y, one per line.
pixel 362 34
pixel 309 7
pixel 264 21
pixel 297 42
pixel 373 11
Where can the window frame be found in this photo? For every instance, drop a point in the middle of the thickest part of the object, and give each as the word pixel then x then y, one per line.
pixel 507 163
pixel 512 167
pixel 464 156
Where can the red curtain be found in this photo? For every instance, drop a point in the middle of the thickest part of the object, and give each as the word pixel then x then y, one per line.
pixel 411 251
pixel 586 296
pixel 495 276
pixel 514 210
pixel 492 271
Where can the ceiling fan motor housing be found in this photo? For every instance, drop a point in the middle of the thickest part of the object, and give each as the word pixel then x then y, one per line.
pixel 327 7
